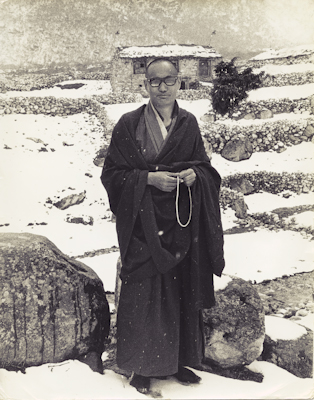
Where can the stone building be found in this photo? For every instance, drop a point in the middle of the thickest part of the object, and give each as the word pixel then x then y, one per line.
pixel 293 55
pixel 194 63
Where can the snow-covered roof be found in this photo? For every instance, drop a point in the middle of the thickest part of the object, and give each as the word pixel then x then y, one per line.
pixel 169 50
pixel 301 50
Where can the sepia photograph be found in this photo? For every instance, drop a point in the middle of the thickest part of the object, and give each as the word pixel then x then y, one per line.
pixel 156 199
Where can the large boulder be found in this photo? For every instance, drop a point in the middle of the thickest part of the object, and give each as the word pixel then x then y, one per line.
pixel 289 345
pixel 237 149
pixel 235 326
pixel 52 307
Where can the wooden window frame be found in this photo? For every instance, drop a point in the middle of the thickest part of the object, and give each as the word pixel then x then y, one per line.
pixel 138 69
pixel 209 69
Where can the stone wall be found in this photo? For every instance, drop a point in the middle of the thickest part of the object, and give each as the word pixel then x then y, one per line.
pixel 300 78
pixel 123 79
pixel 270 135
pixel 282 61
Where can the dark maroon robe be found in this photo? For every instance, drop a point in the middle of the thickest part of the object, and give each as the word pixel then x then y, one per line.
pixel 167 271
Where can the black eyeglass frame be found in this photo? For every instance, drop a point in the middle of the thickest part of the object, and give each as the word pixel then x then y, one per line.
pixel 163 80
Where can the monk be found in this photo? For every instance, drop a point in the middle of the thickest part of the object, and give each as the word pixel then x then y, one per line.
pixel 165 196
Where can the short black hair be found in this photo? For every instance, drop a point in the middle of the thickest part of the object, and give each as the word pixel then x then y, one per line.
pixel 161 59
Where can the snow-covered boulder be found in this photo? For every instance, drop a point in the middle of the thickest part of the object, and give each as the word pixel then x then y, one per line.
pixel 235 326
pixel 289 346
pixel 52 307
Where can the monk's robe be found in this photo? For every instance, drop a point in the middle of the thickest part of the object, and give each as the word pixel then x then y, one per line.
pixel 167 270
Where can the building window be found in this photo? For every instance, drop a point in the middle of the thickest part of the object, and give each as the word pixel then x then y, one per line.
pixel 139 67
pixel 185 83
pixel 204 68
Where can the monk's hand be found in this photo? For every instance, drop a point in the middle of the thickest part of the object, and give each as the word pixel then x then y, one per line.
pixel 163 180
pixel 188 176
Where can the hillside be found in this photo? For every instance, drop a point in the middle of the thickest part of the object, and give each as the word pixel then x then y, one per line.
pixel 53 34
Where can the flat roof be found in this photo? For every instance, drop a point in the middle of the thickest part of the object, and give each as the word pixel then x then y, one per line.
pixel 169 50
pixel 296 51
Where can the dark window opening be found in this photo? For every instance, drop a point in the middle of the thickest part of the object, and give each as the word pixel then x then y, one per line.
pixel 183 85
pixel 139 67
pixel 204 68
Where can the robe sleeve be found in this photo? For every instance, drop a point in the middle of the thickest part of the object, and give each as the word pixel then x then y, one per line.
pixel 124 176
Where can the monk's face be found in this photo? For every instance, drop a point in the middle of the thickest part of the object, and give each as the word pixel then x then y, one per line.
pixel 162 96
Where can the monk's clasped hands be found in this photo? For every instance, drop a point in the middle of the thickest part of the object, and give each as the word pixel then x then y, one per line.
pixel 167 181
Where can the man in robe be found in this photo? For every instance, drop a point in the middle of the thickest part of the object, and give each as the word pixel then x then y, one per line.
pixel 165 196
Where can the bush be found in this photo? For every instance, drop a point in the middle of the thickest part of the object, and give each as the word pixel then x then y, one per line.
pixel 230 86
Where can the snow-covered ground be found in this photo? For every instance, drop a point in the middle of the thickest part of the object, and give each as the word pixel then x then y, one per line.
pixel 88 88
pixel 29 175
pixel 273 69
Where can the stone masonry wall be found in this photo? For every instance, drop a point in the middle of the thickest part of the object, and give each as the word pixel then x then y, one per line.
pixel 281 61
pixel 123 79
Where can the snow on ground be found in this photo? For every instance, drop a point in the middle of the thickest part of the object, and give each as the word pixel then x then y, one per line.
pixel 262 255
pixel 304 49
pixel 283 329
pixel 280 92
pixel 264 202
pixel 96 87
pixel 277 117
pixel 73 380
pixel 273 69
pixel 29 175
pixel 297 158
pixel 305 219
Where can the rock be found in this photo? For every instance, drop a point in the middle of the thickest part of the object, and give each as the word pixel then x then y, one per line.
pixel 70 200
pixel 36 140
pixel 70 85
pixel 100 157
pixel 249 116
pixel 241 185
pixel 309 131
pixel 302 313
pixel 281 149
pixel 240 207
pixel 235 326
pixel 295 355
pixel 84 219
pixel 210 117
pixel 237 149
pixel 52 307
pixel 265 114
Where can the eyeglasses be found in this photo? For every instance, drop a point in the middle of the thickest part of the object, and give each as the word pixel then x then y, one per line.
pixel 169 81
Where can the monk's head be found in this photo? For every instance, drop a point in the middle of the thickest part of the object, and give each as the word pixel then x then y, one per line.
pixel 162 83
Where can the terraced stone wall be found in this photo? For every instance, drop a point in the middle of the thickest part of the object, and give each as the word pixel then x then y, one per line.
pixel 271 135
pixel 282 61
pixel 297 78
